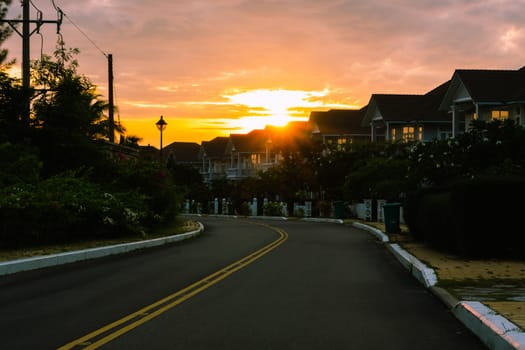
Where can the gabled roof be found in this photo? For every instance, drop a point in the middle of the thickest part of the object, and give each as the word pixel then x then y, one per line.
pixel 215 148
pixel 254 141
pixel 487 86
pixel 339 121
pixel 288 137
pixel 407 108
pixel 394 108
pixel 183 151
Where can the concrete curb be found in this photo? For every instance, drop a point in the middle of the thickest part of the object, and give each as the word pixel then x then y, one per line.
pixel 492 329
pixel 275 218
pixel 423 273
pixel 376 232
pixel 333 221
pixel 39 262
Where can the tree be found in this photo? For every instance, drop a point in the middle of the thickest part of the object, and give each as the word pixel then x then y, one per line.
pixel 379 178
pixel 68 114
pixel 13 127
pixel 5 30
pixel 68 101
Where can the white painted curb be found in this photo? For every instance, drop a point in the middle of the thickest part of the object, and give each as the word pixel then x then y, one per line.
pixel 420 271
pixel 334 221
pixel 263 217
pixel 376 232
pixel 495 331
pixel 14 266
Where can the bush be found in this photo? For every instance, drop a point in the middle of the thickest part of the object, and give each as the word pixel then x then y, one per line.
pixel 436 220
pixel 155 184
pixel 487 220
pixel 18 164
pixel 66 208
pixel 273 209
pixel 475 218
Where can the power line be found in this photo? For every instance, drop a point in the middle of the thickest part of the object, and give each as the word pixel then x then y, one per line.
pixel 82 32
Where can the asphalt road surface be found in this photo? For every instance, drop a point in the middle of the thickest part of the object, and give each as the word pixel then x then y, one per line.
pixel 242 284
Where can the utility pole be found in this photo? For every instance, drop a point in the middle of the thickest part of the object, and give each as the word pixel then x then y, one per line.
pixel 111 102
pixel 26 36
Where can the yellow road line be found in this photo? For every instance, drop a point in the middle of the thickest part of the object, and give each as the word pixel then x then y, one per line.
pixel 104 335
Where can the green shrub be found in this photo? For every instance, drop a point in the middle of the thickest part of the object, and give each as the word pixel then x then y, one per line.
pixel 487 217
pixel 154 183
pixel 437 221
pixel 66 208
pixel 476 218
pixel 18 164
pixel 273 209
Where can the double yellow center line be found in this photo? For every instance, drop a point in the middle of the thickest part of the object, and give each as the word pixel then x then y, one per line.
pixel 104 335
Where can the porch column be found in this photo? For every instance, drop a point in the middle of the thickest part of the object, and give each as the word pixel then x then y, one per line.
pixel 372 131
pixel 453 120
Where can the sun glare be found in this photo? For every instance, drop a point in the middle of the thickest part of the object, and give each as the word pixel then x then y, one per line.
pixel 271 107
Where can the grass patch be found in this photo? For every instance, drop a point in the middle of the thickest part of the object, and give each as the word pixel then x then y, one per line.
pixel 177 227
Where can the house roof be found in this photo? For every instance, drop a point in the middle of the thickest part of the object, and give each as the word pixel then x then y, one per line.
pixel 215 148
pixel 339 121
pixel 407 108
pixel 254 141
pixel 183 151
pixel 487 86
pixel 288 137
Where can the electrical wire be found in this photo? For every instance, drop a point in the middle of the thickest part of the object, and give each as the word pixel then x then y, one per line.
pixel 59 10
pixel 84 34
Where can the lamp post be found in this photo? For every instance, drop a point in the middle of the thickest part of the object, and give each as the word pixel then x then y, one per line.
pixel 161 125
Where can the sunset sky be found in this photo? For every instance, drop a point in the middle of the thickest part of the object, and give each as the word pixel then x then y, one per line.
pixel 215 67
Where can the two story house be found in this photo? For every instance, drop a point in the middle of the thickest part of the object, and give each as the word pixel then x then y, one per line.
pixel 398 117
pixel 186 153
pixel 214 159
pixel 249 154
pixel 339 127
pixel 484 95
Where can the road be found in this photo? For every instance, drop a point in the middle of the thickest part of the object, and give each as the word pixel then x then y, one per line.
pixel 242 284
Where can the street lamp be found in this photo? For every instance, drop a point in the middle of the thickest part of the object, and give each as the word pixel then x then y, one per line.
pixel 161 125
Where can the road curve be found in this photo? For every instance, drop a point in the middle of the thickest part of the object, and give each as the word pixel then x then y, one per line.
pixel 314 286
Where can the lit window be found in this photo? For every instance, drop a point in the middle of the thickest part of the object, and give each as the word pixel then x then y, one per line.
pixel 408 133
pixel 420 133
pixel 500 115
pixel 393 135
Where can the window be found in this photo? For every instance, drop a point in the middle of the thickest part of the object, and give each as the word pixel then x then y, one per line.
pixel 500 115
pixel 408 133
pixel 255 158
pixel 420 133
pixel 393 132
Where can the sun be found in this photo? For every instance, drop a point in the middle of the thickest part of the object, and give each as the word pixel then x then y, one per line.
pixel 270 107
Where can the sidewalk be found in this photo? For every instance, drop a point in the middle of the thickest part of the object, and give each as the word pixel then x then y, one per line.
pixel 496 330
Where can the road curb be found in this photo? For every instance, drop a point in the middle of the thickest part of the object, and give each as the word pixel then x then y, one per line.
pixel 376 232
pixel 494 330
pixel 39 262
